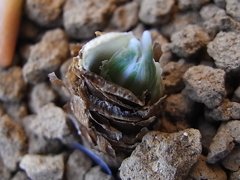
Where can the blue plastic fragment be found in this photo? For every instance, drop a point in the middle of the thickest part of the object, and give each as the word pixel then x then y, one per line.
pixel 98 160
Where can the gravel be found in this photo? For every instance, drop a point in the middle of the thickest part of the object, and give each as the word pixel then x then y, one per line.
pixel 224 49
pixel 125 17
pixel 203 170
pixel 41 95
pixel 45 13
pixel 224 141
pixel 78 165
pixel 41 62
pixel 205 85
pixel 163 156
pixel 50 123
pixel 188 41
pixel 12 84
pixel 191 4
pixel 13 142
pixel 82 18
pixel 233 9
pixel 226 111
pixel 155 11
pixel 232 161
pixel 40 167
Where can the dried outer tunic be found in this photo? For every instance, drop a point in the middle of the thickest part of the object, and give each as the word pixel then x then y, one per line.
pixel 111 118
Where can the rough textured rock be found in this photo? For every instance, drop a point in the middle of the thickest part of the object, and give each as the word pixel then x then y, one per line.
pixel 78 165
pixel 178 106
pixel 233 8
pixel 191 4
pixel 232 161
pixel 216 19
pixel 125 17
pixel 20 176
pixel 188 41
pixel 172 76
pixel 202 170
pixel 205 85
pixel 44 12
pixel 41 95
pixel 12 142
pixel 46 56
pixel 224 141
pixel 40 167
pixel 163 156
pixel 224 49
pixel 82 18
pixel 235 175
pixel 50 122
pixel 11 84
pixel 4 172
pixel 226 111
pixel 95 173
pixel 155 11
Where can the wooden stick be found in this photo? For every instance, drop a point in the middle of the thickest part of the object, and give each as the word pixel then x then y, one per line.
pixel 10 16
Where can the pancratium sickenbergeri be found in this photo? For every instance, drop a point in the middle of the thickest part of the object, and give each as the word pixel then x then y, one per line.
pixel 116 92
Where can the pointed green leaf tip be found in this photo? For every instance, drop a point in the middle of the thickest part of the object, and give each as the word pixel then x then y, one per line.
pixel 123 59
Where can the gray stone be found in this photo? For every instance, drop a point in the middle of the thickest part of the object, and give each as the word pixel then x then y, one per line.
pixel 235 175
pixel 20 175
pixel 233 8
pixel 78 165
pixel 191 4
pixel 205 85
pixel 189 41
pixel 163 156
pixel 4 172
pixel 125 17
pixel 232 161
pixel 45 13
pixel 224 141
pixel 39 167
pixel 217 20
pixel 202 170
pixel 95 173
pixel 50 123
pixel 155 11
pixel 172 76
pixel 46 56
pixel 209 11
pixel 40 95
pixel 12 85
pixel 226 111
pixel 224 49
pixel 82 18
pixel 13 143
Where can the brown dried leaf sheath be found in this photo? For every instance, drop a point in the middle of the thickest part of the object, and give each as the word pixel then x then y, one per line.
pixel 112 119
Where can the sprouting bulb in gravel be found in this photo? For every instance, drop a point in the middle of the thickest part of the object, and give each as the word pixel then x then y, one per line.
pixel 116 93
pixel 124 60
